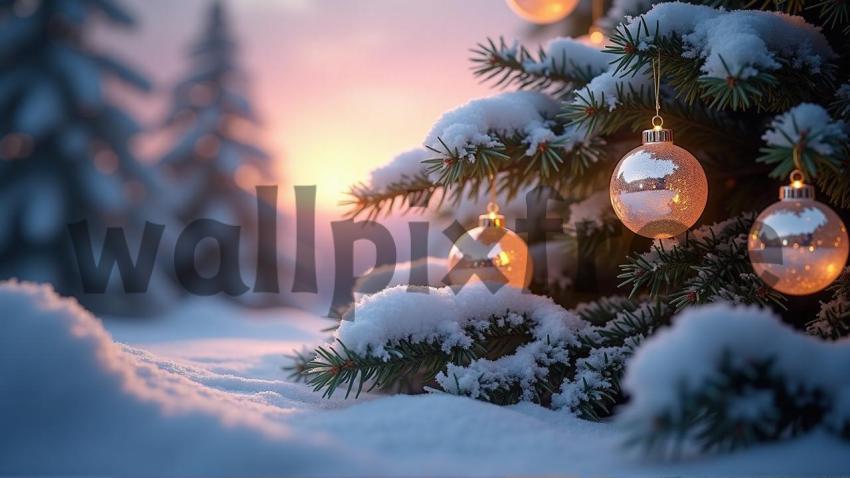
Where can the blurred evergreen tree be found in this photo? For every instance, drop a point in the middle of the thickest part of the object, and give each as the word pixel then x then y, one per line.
pixel 65 151
pixel 213 164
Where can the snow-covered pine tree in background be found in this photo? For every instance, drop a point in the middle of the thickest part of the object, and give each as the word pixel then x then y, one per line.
pixel 65 151
pixel 213 166
pixel 753 94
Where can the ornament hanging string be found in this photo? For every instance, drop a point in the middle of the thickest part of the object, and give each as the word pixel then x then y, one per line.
pixel 795 155
pixel 797 176
pixel 492 206
pixel 657 120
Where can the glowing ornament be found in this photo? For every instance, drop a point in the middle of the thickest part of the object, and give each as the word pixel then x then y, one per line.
pixel 543 11
pixel 490 253
pixel 798 246
pixel 658 189
pixel 596 36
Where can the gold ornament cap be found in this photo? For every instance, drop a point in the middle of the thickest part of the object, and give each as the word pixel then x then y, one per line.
pixel 657 135
pixel 492 218
pixel 797 189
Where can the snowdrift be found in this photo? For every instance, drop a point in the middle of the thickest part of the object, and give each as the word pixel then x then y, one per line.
pixel 73 402
pixel 76 403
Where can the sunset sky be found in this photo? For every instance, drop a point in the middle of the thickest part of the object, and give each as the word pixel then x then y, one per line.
pixel 341 85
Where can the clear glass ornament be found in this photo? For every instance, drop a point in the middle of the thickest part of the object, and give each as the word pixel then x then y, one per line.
pixel 490 253
pixel 543 11
pixel 658 189
pixel 798 246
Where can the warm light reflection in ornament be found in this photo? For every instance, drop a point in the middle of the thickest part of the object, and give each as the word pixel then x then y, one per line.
pixel 658 189
pixel 818 239
pixel 490 253
pixel 543 11
pixel 597 37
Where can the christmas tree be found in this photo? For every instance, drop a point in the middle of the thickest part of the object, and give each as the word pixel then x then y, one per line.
pixel 65 147
pixel 213 160
pixel 680 335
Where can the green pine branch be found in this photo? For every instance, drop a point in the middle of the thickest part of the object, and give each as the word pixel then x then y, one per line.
pixel 400 195
pixel 807 159
pixel 772 92
pixel 833 14
pixel 465 174
pixel 336 365
pixel 833 319
pixel 620 326
pixel 699 125
pixel 630 323
pixel 298 361
pixel 604 309
pixel 711 264
pixel 708 419
pixel 598 385
pixel 505 66
pixel 549 163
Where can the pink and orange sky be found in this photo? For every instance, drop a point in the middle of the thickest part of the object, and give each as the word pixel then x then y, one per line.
pixel 341 85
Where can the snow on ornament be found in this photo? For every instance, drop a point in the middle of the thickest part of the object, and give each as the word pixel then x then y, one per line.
pixel 543 11
pixel 658 190
pixel 798 245
pixel 490 253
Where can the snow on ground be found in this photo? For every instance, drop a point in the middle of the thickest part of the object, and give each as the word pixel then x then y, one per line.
pixel 224 338
pixel 198 393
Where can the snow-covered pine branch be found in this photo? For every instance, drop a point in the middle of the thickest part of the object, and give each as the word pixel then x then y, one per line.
pixel 724 376
pixel 806 137
pixel 840 105
pixel 808 131
pixel 501 347
pixel 833 319
pixel 619 327
pixel 402 183
pixel 563 65
pixel 516 131
pixel 423 330
pixel 729 59
pixel 483 125
pixel 708 264
pixel 624 9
